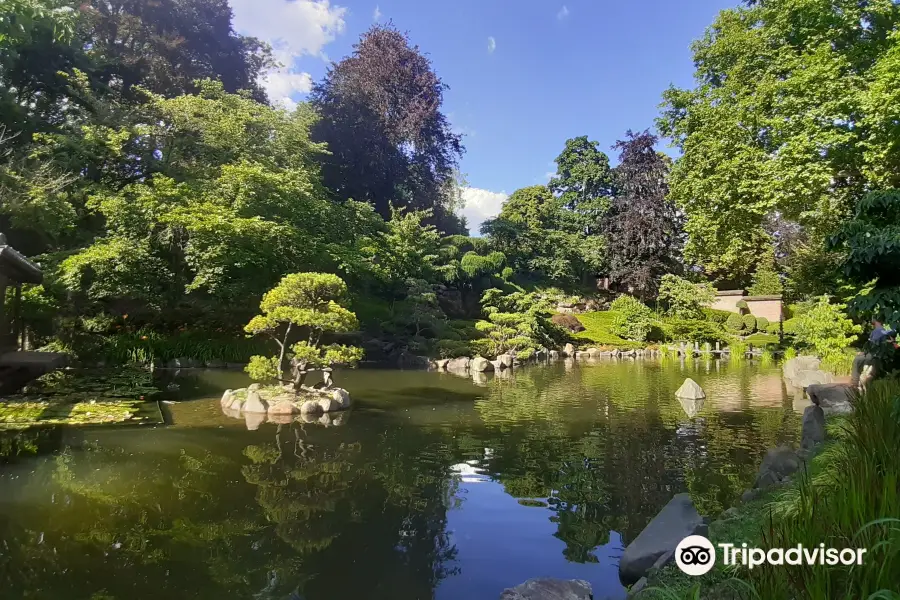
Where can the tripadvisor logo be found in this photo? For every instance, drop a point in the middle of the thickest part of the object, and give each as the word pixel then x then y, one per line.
pixel 696 555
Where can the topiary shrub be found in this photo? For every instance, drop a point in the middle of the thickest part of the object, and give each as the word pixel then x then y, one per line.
pixel 734 322
pixel 695 330
pixel 567 322
pixel 742 304
pixel 762 323
pixel 632 320
pixel 716 316
pixel 749 323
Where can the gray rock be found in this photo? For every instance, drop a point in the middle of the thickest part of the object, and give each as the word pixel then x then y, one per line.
pixel 310 407
pixel 281 408
pixel 441 364
pixel 554 354
pixel 253 420
pixel 541 355
pixel 480 365
pixel 731 512
pixel 458 364
pixel 813 432
pixel 799 363
pixel 227 398
pixel 215 364
pixel 407 360
pixel 749 495
pixel 690 390
pixel 691 407
pixel 254 403
pixel 833 398
pixel 254 387
pixel 237 404
pixel 569 350
pixel 778 464
pixel 342 397
pixel 507 360
pixel 549 589
pixel 329 405
pixel 677 520
pixel 804 379
pixel 175 363
pixel 860 362
pixel 593 352
pixel 581 355
pixel 498 365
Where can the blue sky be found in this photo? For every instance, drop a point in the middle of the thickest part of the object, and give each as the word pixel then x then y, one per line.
pixel 524 75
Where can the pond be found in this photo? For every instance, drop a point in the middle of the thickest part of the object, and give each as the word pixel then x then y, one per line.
pixel 433 486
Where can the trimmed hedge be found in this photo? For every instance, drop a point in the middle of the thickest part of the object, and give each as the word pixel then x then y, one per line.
pixel 762 323
pixel 734 322
pixel 749 323
pixel 717 316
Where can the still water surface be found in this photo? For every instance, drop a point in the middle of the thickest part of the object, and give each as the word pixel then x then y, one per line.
pixel 433 486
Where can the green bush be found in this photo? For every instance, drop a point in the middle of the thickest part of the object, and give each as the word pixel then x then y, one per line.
pixel 684 299
pixel 749 323
pixel 694 330
pixel 632 320
pixel 742 304
pixel 453 348
pixel 825 328
pixel 716 316
pixel 734 322
pixel 762 323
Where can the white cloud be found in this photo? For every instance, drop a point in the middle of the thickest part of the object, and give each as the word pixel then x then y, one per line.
pixel 563 13
pixel 281 85
pixel 294 28
pixel 481 205
pixel 492 45
pixel 376 16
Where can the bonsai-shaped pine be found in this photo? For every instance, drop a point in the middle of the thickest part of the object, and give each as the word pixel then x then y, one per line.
pixel 307 304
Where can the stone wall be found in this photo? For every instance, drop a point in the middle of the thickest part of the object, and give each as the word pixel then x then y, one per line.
pixel 758 306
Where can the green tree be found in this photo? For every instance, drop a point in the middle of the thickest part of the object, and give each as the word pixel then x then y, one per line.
pixel 870 246
pixel 825 328
pixel 584 183
pixel 309 302
pixel 766 280
pixel 517 323
pixel 633 319
pixel 684 299
pixel 786 96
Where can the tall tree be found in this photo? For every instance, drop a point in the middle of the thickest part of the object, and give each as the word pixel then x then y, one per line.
pixel 584 183
pixel 643 227
pixel 166 45
pixel 794 112
pixel 389 142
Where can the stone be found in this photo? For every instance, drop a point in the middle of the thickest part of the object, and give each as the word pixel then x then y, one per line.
pixel 254 403
pixel 329 405
pixel 691 406
pixel 804 379
pixel 282 408
pixel 677 520
pixel 593 352
pixel 310 407
pixel 541 355
pixel 690 390
pixel 507 361
pixel 731 512
pixel 237 404
pixel 227 398
pixel 342 397
pixel 480 365
pixel 215 364
pixel 458 364
pixel 835 398
pixel 860 362
pixel 254 387
pixel 407 360
pixel 569 350
pixel 498 365
pixel 441 364
pixel 326 419
pixel 580 355
pixel 175 363
pixel 554 355
pixel 813 431
pixel 778 464
pixel 749 495
pixel 480 378
pixel 549 589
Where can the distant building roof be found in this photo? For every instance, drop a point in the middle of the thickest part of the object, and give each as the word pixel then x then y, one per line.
pixel 729 292
pixel 16 267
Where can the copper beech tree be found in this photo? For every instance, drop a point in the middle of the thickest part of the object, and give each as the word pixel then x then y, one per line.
pixel 305 305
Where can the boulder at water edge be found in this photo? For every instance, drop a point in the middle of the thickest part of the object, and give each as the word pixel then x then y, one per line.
pixel 554 354
pixel 813 432
pixel 690 390
pixel 440 364
pixel 342 397
pixel 834 398
pixel 227 398
pixel 329 405
pixel 779 463
pixel 458 364
pixel 282 408
pixel 506 361
pixel 480 365
pixel 310 407
pixel 549 589
pixel 254 403
pixel 677 520
pixel 569 350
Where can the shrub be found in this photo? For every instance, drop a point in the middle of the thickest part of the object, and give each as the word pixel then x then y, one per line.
pixel 762 323
pixel 766 281
pixel 568 322
pixel 684 299
pixel 749 323
pixel 694 330
pixel 734 322
pixel 633 319
pixel 716 316
pixel 742 304
pixel 825 328
pixel 453 349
